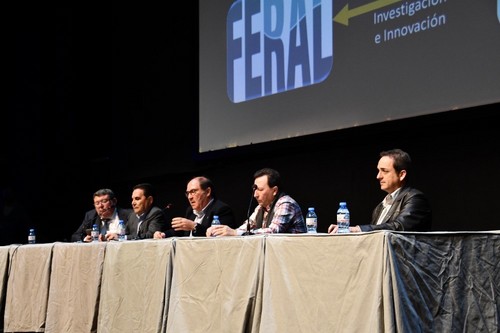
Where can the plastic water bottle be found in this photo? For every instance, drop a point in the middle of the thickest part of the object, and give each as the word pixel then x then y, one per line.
pixel 95 233
pixel 343 218
pixel 215 221
pixel 31 237
pixel 311 220
pixel 121 231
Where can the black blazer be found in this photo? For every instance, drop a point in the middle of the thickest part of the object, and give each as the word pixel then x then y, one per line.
pixel 216 207
pixel 155 220
pixel 409 212
pixel 91 218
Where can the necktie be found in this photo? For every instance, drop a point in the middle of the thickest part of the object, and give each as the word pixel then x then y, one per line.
pixel 141 219
pixel 104 226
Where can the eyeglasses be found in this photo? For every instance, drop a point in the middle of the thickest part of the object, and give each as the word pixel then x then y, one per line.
pixel 193 191
pixel 103 201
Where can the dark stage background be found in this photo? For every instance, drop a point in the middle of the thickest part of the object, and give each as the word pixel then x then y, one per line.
pixel 106 95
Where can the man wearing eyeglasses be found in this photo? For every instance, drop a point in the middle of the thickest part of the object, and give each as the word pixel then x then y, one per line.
pixel 204 204
pixel 106 214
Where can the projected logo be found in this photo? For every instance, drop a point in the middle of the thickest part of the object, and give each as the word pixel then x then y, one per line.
pixel 277 45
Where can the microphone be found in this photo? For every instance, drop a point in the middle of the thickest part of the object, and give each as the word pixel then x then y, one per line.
pixel 248 232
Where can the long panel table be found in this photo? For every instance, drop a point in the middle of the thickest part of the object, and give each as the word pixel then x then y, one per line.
pixel 370 282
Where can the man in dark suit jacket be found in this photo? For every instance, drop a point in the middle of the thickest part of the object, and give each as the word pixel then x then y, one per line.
pixel 204 204
pixel 409 211
pixel 146 218
pixel 106 215
pixel 404 208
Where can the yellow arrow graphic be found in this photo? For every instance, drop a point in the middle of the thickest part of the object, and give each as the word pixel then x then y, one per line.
pixel 345 14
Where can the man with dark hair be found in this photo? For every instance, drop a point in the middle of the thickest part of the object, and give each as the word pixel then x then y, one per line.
pixel 404 208
pixel 106 214
pixel 276 212
pixel 146 218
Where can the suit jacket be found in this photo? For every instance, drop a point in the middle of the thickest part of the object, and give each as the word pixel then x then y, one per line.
pixel 216 207
pixel 91 218
pixel 410 211
pixel 154 220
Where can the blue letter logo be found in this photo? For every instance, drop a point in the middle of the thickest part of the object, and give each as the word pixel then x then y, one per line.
pixel 277 45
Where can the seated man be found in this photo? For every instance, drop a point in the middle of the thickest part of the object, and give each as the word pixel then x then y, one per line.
pixel 106 215
pixel 146 218
pixel 404 208
pixel 204 204
pixel 276 212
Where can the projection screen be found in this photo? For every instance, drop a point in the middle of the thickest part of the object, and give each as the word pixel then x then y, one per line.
pixel 277 69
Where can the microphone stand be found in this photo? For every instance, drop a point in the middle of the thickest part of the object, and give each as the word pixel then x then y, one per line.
pixel 248 232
